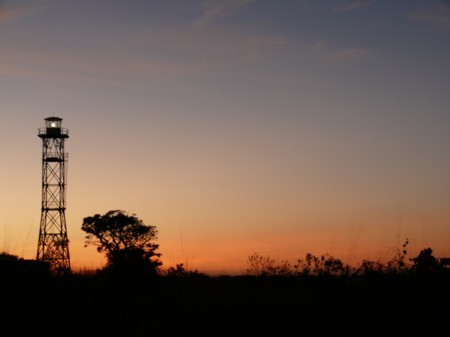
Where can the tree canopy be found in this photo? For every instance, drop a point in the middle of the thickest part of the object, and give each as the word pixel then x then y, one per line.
pixel 129 244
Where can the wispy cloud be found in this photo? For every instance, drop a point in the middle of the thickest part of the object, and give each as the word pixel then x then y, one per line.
pixel 214 9
pixel 352 5
pixel 207 50
pixel 438 19
pixel 327 52
pixel 13 12
pixel 348 54
pixel 72 68
pixel 215 46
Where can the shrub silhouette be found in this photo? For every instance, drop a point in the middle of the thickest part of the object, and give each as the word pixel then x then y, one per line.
pixel 180 271
pixel 325 265
pixel 262 265
pixel 425 263
pixel 5 256
pixel 13 266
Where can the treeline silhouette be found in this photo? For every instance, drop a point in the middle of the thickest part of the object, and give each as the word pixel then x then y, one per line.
pixel 316 296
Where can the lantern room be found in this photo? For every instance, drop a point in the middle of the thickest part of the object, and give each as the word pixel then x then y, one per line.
pixel 53 128
pixel 53 122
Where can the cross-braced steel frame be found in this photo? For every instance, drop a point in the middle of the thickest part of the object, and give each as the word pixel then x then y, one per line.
pixel 53 243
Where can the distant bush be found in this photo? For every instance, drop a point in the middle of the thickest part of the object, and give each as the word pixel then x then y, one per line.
pixel 180 271
pixel 326 265
pixel 259 265
pixel 5 256
pixel 13 267
pixel 425 263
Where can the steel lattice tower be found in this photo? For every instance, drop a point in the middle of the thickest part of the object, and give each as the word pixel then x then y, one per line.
pixel 53 243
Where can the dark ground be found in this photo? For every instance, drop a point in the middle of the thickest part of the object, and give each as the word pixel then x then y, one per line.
pixel 197 305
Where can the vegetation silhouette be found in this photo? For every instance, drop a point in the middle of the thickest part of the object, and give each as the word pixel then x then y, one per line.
pixel 326 265
pixel 13 266
pixel 315 296
pixel 129 244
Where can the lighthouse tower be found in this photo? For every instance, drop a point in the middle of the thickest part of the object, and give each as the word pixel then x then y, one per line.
pixel 53 243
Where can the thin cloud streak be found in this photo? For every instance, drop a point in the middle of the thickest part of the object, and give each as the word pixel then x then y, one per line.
pixel 207 49
pixel 213 9
pixel 351 54
pixel 438 19
pixel 65 69
pixel 8 14
pixel 349 6
pixel 348 54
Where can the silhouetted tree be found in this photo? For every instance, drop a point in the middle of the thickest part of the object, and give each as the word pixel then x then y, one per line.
pixel 127 241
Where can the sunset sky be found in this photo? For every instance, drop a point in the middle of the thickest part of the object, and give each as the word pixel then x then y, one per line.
pixel 236 126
